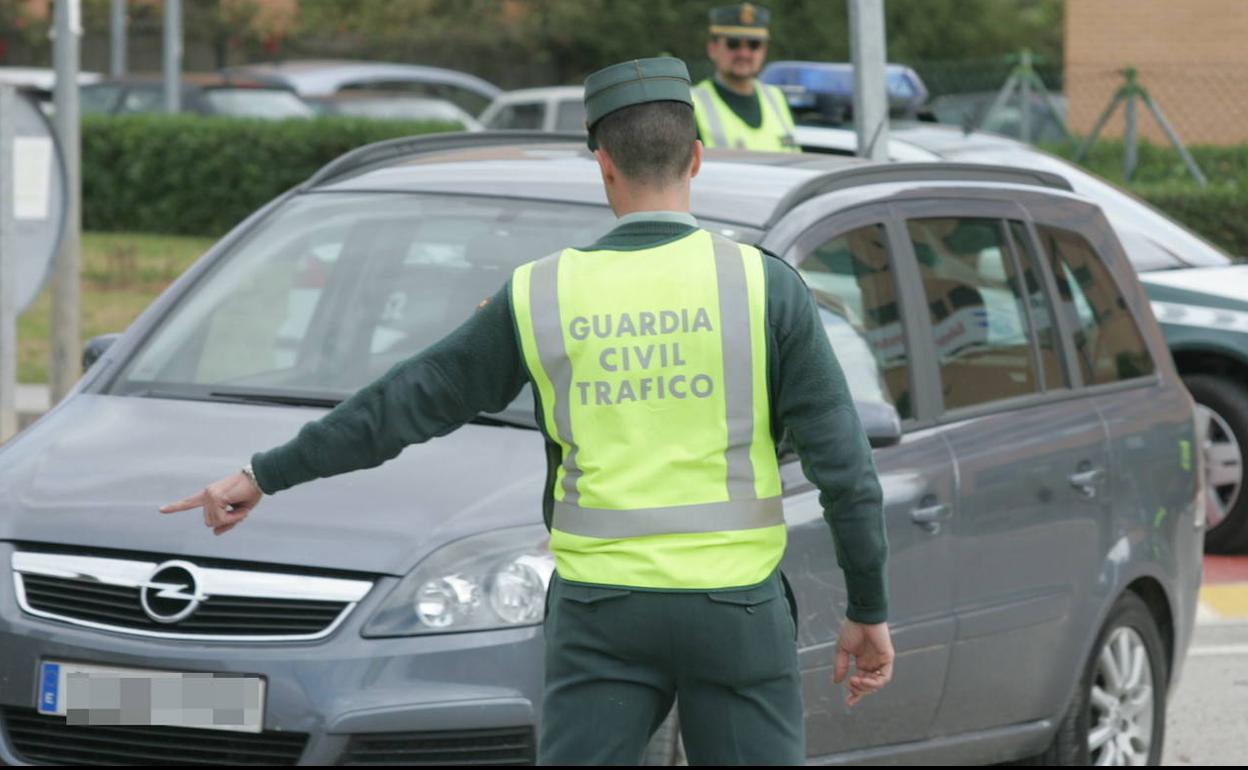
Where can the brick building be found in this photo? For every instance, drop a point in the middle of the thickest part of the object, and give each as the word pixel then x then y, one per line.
pixel 1191 55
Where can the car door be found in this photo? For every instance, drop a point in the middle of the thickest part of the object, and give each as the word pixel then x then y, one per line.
pixel 1151 435
pixel 1031 455
pixel 847 261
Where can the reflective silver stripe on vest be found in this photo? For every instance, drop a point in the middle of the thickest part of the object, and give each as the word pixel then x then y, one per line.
pixel 548 332
pixel 738 356
pixel 775 110
pixel 672 520
pixel 712 116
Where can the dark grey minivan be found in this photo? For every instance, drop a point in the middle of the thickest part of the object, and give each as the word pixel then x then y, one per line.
pixel 1036 448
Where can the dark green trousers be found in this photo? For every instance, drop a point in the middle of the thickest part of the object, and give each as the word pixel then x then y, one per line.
pixel 616 659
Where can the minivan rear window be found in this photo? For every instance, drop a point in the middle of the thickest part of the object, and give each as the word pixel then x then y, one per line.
pixel 1108 343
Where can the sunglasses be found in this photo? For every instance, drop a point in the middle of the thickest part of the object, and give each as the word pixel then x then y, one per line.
pixel 734 43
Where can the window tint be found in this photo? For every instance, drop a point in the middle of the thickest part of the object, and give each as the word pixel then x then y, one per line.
pixel 520 116
pixel 1108 343
pixel 977 310
pixel 853 285
pixel 571 116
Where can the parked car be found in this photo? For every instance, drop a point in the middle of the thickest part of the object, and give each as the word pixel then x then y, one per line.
pixel 383 105
pixel 1199 294
pixel 201 93
pixel 1034 442
pixel 557 108
pixel 318 77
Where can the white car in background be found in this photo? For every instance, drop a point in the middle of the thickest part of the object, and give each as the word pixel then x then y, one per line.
pixel 557 108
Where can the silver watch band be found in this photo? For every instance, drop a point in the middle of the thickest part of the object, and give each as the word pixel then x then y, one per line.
pixel 250 474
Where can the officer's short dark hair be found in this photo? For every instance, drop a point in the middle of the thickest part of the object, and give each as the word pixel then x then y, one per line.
pixel 650 143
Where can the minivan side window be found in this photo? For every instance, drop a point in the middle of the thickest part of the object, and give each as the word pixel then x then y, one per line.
pixel 1108 343
pixel 977 312
pixel 852 281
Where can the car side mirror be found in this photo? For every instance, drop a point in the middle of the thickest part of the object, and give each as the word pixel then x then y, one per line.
pixel 94 350
pixel 880 421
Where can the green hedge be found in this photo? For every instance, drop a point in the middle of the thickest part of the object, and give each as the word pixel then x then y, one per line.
pixel 194 175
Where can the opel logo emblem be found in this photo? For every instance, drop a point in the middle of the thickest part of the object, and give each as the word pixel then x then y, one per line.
pixel 171 594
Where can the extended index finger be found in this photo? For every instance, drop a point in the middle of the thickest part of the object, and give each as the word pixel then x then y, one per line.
pixel 194 501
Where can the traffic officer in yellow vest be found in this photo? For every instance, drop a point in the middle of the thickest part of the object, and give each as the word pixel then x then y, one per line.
pixel 663 496
pixel 734 108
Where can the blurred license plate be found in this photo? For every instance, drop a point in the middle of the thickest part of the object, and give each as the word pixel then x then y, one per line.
pixel 106 695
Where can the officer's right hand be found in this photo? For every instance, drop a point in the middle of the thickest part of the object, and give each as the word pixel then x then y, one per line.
pixel 872 650
pixel 226 502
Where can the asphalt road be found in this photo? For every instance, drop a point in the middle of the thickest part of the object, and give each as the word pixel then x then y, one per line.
pixel 1207 716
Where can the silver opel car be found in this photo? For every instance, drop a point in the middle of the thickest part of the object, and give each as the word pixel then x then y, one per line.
pixel 1037 450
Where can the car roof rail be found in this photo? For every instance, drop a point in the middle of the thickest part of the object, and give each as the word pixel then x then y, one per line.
pixel 936 171
pixel 390 150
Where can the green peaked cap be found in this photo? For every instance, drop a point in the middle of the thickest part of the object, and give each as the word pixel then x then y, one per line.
pixel 661 79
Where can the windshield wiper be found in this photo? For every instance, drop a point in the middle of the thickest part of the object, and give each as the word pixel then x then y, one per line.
pixel 240 397
pixel 284 399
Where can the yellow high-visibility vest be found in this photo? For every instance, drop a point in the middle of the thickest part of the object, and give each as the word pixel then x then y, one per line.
pixel 650 370
pixel 720 127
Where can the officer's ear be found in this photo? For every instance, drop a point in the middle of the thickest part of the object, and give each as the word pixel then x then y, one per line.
pixel 697 158
pixel 605 165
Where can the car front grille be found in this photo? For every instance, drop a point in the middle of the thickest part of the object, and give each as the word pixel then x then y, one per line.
pixel 219 616
pixel 178 599
pixel 506 746
pixel 42 739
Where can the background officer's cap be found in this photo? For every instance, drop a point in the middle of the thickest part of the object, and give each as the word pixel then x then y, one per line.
pixel 745 21
pixel 662 79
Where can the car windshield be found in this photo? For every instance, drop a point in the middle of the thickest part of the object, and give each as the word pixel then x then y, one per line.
pixel 271 103
pixel 333 289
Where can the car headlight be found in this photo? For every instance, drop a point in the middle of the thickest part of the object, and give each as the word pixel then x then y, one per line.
pixel 487 581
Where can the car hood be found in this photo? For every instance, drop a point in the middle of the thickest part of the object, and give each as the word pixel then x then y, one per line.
pixel 93 472
pixel 1225 288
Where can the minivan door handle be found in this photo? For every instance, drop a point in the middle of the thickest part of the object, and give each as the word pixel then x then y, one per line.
pixel 930 517
pixel 1086 481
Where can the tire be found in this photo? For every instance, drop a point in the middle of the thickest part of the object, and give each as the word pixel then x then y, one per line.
pixel 665 747
pixel 1226 421
pixel 1128 621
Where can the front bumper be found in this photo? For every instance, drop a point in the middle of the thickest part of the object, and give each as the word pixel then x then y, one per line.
pixel 429 699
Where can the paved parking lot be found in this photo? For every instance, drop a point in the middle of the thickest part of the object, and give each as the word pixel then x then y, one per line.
pixel 1206 724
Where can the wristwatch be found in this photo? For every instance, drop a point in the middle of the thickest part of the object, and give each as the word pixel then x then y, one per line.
pixel 250 474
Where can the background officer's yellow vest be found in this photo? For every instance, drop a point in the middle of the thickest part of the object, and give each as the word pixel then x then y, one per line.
pixel 720 127
pixel 651 376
